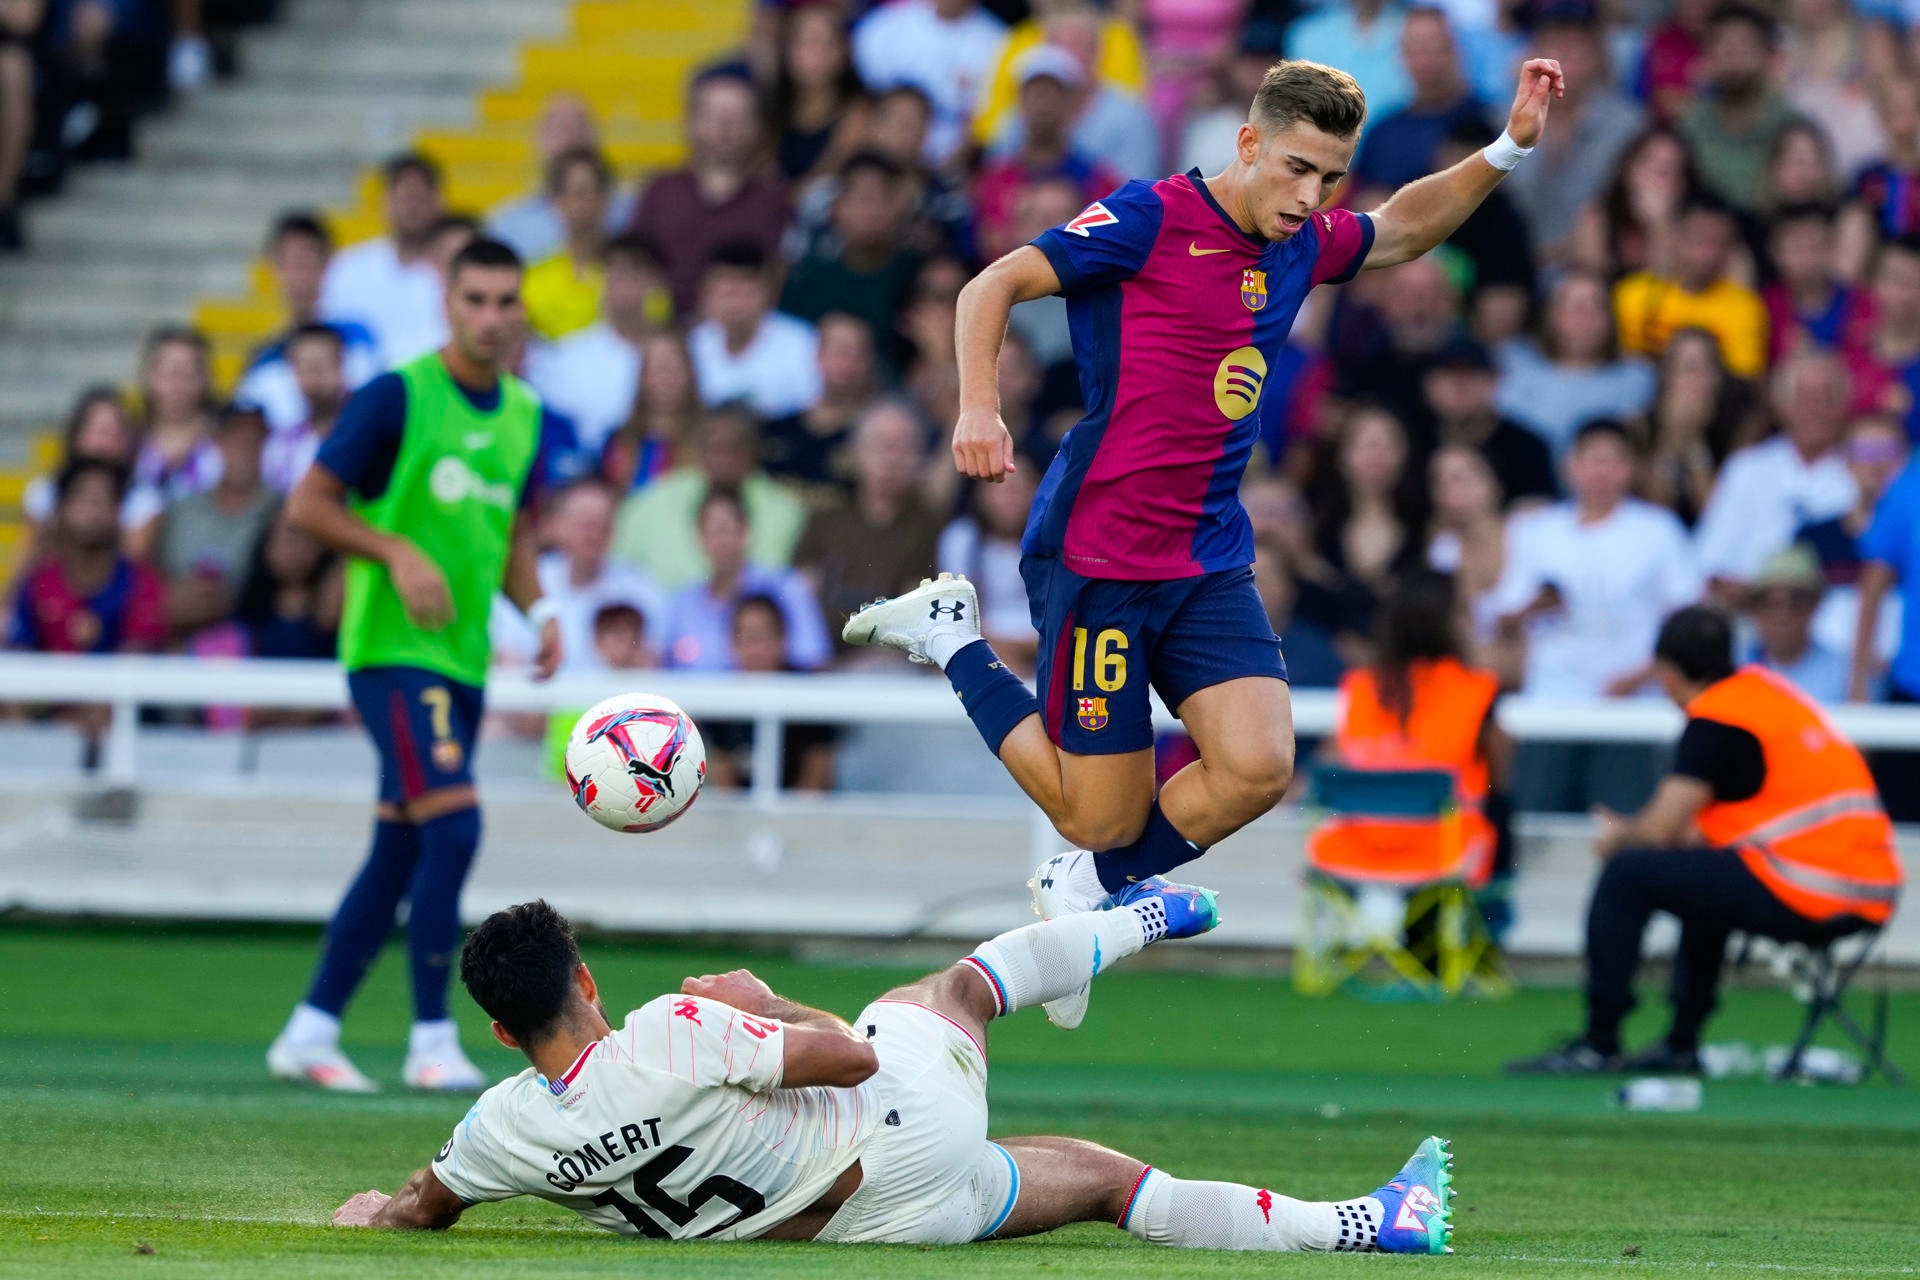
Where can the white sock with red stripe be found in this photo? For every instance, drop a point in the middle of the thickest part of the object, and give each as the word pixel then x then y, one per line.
pixel 1225 1215
pixel 1055 958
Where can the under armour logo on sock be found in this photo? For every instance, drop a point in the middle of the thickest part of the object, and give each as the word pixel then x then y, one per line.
pixel 956 610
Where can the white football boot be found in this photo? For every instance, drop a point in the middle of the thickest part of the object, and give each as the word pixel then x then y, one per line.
pixel 945 605
pixel 1064 885
pixel 321 1065
pixel 442 1069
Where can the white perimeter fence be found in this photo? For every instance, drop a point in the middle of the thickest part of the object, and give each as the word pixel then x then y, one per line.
pixel 209 836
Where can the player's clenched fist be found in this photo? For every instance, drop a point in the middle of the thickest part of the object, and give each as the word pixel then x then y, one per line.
pixel 982 446
pixel 361 1210
pixel 740 989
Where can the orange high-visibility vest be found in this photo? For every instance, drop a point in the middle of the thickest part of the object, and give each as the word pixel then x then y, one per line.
pixel 1447 706
pixel 1815 834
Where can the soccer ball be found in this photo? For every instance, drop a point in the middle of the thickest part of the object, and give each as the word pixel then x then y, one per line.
pixel 635 762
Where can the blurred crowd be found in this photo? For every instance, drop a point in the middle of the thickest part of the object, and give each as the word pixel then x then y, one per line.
pixel 76 74
pixel 1675 357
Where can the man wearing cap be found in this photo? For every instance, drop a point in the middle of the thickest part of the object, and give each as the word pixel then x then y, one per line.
pixel 1051 82
pixel 1781 601
pixel 1459 386
pixel 1110 124
pixel 1767 824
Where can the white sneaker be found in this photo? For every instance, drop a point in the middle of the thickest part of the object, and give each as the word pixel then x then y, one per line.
pixel 446 1070
pixel 1063 886
pixel 946 605
pixel 322 1065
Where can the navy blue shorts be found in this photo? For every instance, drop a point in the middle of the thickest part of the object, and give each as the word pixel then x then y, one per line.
pixel 422 724
pixel 1103 642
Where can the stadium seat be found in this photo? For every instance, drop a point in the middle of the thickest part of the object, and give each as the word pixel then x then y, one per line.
pixel 1820 978
pixel 1409 911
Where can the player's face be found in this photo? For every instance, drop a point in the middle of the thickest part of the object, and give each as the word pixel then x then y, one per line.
pixel 1290 173
pixel 485 312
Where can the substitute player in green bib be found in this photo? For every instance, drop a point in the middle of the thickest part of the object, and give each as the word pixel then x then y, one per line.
pixel 424 485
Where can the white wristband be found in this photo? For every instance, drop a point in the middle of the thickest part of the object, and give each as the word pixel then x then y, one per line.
pixel 1504 154
pixel 541 612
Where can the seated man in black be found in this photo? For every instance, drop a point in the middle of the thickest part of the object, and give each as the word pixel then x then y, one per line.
pixel 1768 823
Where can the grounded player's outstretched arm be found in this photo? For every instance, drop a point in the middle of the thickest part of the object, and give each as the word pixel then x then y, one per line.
pixel 422 1204
pixel 820 1048
pixel 318 506
pixel 982 446
pixel 1422 214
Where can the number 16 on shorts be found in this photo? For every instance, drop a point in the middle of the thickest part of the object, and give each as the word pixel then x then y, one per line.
pixel 1099 664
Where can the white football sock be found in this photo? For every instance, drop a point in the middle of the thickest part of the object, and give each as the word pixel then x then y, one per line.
pixel 942 645
pixel 430 1039
pixel 311 1026
pixel 1225 1215
pixel 1055 958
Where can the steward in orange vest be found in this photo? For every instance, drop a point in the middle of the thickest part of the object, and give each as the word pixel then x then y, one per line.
pixel 1768 824
pixel 1420 706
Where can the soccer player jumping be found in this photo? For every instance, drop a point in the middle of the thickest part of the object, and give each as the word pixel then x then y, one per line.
pixel 425 485
pixel 1137 552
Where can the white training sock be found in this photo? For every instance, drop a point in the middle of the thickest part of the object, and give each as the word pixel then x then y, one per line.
pixel 427 1039
pixel 1055 958
pixel 311 1026
pixel 942 645
pixel 1225 1215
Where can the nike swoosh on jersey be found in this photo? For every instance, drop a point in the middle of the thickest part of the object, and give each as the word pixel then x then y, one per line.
pixel 1198 252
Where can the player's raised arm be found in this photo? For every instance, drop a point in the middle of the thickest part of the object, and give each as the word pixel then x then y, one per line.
pixel 982 446
pixel 1423 213
pixel 422 1204
pixel 816 1047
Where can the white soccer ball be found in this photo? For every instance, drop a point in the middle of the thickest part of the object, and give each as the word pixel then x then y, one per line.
pixel 635 762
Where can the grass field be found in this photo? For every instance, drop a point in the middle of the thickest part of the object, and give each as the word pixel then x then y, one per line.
pixel 140 1137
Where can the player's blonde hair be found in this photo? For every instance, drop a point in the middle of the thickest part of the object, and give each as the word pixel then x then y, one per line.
pixel 1294 90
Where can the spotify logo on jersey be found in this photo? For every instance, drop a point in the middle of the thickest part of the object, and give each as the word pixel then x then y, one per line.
pixel 1237 382
pixel 452 481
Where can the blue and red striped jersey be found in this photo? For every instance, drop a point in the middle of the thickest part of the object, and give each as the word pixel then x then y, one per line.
pixel 1177 315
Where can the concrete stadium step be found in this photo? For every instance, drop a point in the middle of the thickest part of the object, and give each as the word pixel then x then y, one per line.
pixel 471 56
pixel 420 18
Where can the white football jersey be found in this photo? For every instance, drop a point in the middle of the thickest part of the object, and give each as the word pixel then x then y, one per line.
pixel 675 1126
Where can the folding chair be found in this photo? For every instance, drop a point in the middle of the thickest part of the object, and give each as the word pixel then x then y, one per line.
pixel 1820 977
pixel 1388 855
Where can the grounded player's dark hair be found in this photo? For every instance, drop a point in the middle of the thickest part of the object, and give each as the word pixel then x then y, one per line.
pixel 483 252
pixel 78 469
pixel 1326 97
pixel 1606 428
pixel 519 965
pixel 635 246
pixel 303 224
pixel 588 156
pixel 1697 641
pixel 414 162
pixel 1417 622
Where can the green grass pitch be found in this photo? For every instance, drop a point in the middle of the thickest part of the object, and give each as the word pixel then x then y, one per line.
pixel 140 1137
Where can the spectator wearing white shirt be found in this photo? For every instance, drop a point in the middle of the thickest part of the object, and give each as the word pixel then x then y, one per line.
pixel 1588 581
pixel 315 357
pixel 390 286
pixel 983 543
pixel 1586 586
pixel 591 376
pixel 945 48
pixel 744 349
pixel 581 580
pixel 1767 491
pixel 298 251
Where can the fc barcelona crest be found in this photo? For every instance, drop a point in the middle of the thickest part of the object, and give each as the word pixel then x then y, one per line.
pixel 1093 714
pixel 1253 289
